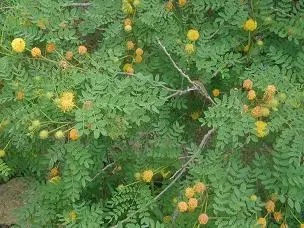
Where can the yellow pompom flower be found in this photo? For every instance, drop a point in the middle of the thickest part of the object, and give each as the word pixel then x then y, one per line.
pixel 66 101
pixel 247 84
pixel 270 205
pixel 36 52
pixel 250 25
pixel 192 204
pixel 2 153
pixel 74 134
pixel 193 35
pixel 138 58
pixel 262 222
pixel 189 49
pixel 128 68
pixel 189 192
pixel 72 215
pixel 195 115
pixel 147 176
pixel 277 216
pixel 182 3
pixel 18 45
pixel 55 180
pixel 182 206
pixel 262 131
pixel 216 92
pixel 199 187
pixel 251 95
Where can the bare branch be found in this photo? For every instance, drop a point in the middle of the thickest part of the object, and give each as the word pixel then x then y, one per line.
pixel 78 4
pixel 198 85
pixel 104 169
pixel 182 92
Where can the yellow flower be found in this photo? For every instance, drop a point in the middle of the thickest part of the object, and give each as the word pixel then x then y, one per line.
pixel 203 219
pixel 72 215
pixel 270 205
pixel 2 153
pixel 262 131
pixel 193 35
pixel 128 68
pixel 139 51
pixel 50 47
pixel 130 45
pixel 189 192
pixel 138 58
pixel 182 206
pixel 74 135
pixel 189 49
pixel 277 216
pixel 82 50
pixel 182 3
pixel 128 21
pixel 253 198
pixel 192 204
pixel 199 187
pixel 18 45
pixel 262 222
pixel 147 176
pixel 55 180
pixel 216 92
pixel 250 25
pixel 128 28
pixel 36 52
pixel 251 95
pixel 66 101
pixel 247 84
pixel 195 115
pixel 256 111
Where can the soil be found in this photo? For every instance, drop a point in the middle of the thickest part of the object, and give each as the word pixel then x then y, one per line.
pixel 11 199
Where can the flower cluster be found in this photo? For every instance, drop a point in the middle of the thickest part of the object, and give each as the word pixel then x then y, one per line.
pixel 192 196
pixel 192 35
pixel 260 107
pixel 66 101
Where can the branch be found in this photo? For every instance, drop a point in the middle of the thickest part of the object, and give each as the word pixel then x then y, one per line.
pixel 182 170
pixel 78 4
pixel 104 169
pixel 198 85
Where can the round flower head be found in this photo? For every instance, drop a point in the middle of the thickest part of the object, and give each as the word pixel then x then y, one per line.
pixel 182 206
pixel 284 225
pixel 256 111
pixel 82 50
pixel 247 84
pixel 139 51
pixel 199 187
pixel 302 225
pixel 127 21
pixel 277 216
pixel 128 68
pixel 195 115
pixel 36 52
pixel 189 49
pixel 18 45
pixel 262 131
pixel 138 59
pixel 193 35
pixel 72 215
pixel 66 101
pixel 262 222
pixel 54 172
pixel 250 25
pixel 270 205
pixel 265 111
pixel 69 55
pixel 50 48
pixel 147 176
pixel 2 153
pixel 55 180
pixel 20 96
pixel 59 134
pixel 130 45
pixel 245 108
pixel 203 219
pixel 169 5
pixel 192 203
pixel 251 95
pixel 44 134
pixel 253 198
pixel 182 3
pixel 216 92
pixel 271 89
pixel 73 134
pixel 189 192
pixel 128 28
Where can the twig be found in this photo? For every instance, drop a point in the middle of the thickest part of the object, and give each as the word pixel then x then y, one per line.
pixel 182 92
pixel 184 168
pixel 196 84
pixel 78 4
pixel 104 169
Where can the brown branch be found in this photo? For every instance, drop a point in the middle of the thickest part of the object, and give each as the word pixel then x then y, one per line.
pixel 198 85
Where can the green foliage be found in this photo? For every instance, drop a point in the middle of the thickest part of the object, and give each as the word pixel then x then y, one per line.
pixel 109 117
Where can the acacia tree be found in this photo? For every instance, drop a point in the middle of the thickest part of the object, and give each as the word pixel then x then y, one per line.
pixel 175 113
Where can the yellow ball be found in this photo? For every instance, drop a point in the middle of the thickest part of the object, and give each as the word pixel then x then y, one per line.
pixel 18 45
pixel 2 153
pixel 193 35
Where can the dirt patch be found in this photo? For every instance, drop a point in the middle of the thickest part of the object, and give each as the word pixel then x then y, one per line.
pixel 11 199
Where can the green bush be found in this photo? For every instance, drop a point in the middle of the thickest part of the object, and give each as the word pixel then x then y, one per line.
pixel 122 110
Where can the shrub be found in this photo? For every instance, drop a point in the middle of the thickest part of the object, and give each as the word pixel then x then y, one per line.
pixel 116 108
